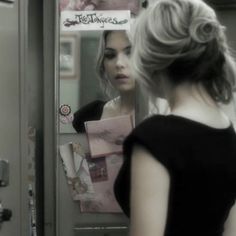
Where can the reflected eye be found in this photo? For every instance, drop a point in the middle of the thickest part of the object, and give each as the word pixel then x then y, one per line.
pixel 109 54
pixel 128 51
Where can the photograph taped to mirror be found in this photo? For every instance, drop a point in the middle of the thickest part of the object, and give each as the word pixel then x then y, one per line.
pixel 97 168
pixel 106 136
pixel 102 5
pixel 76 171
pixel 104 199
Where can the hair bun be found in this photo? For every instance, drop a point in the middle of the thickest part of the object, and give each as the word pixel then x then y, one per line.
pixel 203 30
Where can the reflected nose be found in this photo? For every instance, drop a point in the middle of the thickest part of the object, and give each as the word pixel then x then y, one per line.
pixel 121 60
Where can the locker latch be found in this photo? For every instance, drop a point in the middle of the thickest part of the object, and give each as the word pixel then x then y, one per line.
pixel 5 214
pixel 4 173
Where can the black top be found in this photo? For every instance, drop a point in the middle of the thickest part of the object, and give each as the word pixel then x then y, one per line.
pixel 91 111
pixel 201 161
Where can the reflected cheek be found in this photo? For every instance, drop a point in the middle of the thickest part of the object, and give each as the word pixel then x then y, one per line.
pixel 109 70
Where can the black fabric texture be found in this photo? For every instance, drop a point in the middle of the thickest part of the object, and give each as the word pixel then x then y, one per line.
pixel 91 111
pixel 201 161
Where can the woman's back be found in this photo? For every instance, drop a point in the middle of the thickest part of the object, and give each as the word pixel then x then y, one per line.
pixel 201 162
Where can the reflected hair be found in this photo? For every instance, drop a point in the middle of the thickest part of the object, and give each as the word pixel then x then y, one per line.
pixel 184 40
pixel 105 83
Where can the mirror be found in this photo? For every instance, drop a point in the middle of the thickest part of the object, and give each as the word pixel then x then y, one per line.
pixel 85 204
pixel 97 101
pixel 96 95
pixel 80 85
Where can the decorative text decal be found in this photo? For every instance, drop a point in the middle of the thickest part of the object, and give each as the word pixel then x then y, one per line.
pixel 95 20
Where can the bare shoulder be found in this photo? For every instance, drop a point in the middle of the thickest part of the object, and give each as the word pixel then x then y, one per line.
pixel 150 183
pixel 142 157
pixel 147 173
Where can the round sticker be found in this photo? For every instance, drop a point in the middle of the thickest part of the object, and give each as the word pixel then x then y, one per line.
pixel 65 110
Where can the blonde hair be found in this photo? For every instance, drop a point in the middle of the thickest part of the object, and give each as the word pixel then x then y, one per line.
pixel 104 81
pixel 183 39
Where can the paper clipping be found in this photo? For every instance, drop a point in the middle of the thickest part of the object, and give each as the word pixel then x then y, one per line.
pixel 104 200
pixel 77 171
pixel 106 136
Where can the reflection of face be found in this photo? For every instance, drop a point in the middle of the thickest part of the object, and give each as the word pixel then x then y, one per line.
pixel 116 61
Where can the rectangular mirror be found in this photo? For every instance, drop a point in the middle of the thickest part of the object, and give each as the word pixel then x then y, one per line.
pixel 91 89
pixel 94 85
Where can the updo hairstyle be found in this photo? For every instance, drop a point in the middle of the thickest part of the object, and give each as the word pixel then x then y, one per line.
pixel 184 40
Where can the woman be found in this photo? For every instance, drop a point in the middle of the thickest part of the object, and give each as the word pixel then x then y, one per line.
pixel 119 86
pixel 179 173
pixel 115 78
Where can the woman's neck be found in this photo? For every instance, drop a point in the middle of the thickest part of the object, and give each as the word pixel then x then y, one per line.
pixel 121 105
pixel 126 102
pixel 193 102
pixel 189 95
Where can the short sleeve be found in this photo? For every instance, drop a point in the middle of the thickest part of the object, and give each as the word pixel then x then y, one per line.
pixel 153 135
pixel 92 111
pixel 156 136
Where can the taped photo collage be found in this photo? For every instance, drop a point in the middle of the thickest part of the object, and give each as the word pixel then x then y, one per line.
pixel 91 175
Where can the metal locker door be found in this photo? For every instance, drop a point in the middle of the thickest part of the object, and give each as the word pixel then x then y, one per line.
pixel 13 126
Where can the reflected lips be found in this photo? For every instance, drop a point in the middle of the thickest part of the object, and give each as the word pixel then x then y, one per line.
pixel 121 77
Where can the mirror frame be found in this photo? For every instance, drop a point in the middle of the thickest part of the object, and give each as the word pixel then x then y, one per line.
pixel 50 97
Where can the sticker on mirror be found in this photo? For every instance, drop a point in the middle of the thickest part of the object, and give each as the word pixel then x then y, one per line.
pixel 95 20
